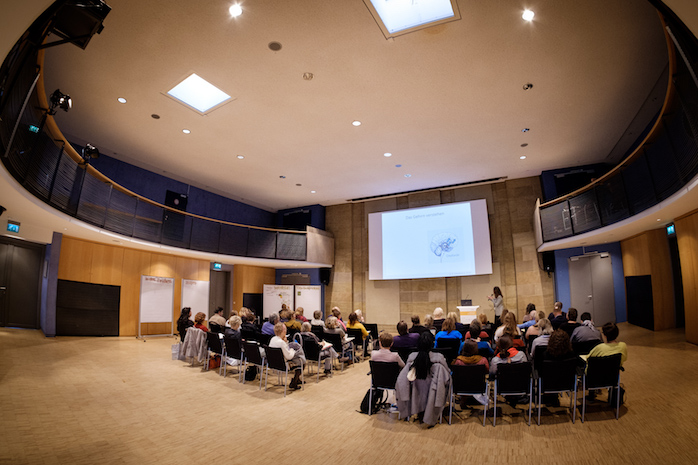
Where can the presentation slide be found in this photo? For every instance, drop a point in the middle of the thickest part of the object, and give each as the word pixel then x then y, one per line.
pixel 439 241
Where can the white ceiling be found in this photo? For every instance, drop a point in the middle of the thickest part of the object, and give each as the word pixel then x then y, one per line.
pixel 447 101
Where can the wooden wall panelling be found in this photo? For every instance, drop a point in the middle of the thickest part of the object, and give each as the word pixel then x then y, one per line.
pixel 107 264
pixel 75 260
pixel 162 265
pixel 250 279
pixel 687 237
pixel 135 264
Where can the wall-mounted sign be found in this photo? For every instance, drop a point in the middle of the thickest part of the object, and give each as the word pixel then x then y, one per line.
pixel 13 226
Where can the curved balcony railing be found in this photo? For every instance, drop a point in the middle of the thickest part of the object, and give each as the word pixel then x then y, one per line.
pixel 663 163
pixel 38 156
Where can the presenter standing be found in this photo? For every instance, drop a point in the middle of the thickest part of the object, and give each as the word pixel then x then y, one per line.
pixel 498 302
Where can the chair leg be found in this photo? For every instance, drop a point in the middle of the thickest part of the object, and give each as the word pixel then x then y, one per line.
pixel 370 399
pixel 540 390
pixel 574 402
pixel 450 406
pixel 584 397
pixel 530 402
pixel 494 418
pixel 618 398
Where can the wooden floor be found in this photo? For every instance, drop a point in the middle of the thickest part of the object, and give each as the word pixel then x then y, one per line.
pixel 120 400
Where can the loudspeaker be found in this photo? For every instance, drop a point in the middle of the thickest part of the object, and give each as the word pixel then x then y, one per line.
pixel 549 261
pixel 325 275
pixel 2 210
pixel 78 21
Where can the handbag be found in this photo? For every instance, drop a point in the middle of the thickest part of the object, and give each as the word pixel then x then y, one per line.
pixel 175 350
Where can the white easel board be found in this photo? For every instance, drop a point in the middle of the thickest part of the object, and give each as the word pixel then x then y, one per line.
pixel 274 296
pixel 195 295
pixel 310 298
pixel 156 301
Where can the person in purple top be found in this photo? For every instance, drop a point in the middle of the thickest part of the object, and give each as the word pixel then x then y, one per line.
pixel 557 317
pixel 405 339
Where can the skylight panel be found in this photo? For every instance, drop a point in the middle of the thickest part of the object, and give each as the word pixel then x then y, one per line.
pixel 396 17
pixel 198 93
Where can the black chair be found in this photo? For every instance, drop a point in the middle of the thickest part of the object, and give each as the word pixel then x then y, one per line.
pixel 514 379
pixel 313 354
pixel 602 373
pixel 555 377
pixel 338 344
pixel 359 342
pixel 469 380
pixel 215 347
pixel 253 356
pixel 233 349
pixel 372 329
pixel 291 332
pixel 215 328
pixel 318 330
pixel 403 352
pixel 584 347
pixel 277 361
pixel 451 347
pixel 384 376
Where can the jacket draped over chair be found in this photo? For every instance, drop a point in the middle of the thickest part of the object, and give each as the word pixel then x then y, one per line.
pixel 428 395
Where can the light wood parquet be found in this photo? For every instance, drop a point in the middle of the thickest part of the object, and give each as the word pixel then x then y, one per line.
pixel 121 401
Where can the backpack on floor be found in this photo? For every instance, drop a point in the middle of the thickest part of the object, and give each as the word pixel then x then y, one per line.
pixel 377 400
pixel 251 373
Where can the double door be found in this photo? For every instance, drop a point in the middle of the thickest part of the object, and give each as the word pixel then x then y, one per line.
pixel 591 287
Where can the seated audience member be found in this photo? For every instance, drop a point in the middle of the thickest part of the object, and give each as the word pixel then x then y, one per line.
pixel 459 326
pixel 571 324
pixel 384 354
pixel 485 324
pixel 448 331
pixel 508 325
pixel 530 318
pixel 299 315
pixel 533 330
pixel 291 322
pixel 337 313
pixel 309 337
pixel 199 321
pixel 541 341
pixel 610 346
pixel 506 353
pixel 359 315
pixel 249 329
pixel 470 333
pixel 268 326
pixel 332 327
pixel 438 318
pixel 557 317
pixel 404 339
pixel 184 322
pixel 560 348
pixel 417 328
pixel 354 324
pixel 469 355
pixel 429 324
pixel 317 319
pixel 232 333
pixel 482 346
pixel 586 331
pixel 293 353
pixel 217 317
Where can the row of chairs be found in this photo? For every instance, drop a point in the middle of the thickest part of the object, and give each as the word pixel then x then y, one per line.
pixel 521 379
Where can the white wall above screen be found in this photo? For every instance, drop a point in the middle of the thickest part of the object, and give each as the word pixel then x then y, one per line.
pixel 440 241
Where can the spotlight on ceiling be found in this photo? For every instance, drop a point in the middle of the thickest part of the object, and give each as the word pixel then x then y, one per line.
pixel 528 15
pixel 89 152
pixel 59 100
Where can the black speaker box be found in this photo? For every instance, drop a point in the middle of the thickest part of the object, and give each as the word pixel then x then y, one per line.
pixel 549 261
pixel 325 275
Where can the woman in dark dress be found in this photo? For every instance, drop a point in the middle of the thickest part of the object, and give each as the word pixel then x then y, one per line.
pixel 184 322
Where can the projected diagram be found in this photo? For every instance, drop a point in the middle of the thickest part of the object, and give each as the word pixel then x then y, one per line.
pixel 442 244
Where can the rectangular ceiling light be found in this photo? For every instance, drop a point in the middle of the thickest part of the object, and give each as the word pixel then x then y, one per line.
pixel 198 93
pixel 397 17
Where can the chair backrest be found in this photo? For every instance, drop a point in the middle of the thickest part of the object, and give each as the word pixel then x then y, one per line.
pixel 384 374
pixel 403 352
pixel 469 379
pixel 318 330
pixel 335 340
pixel 603 371
pixel 276 359
pixel 514 378
pixel 310 347
pixel 291 332
pixel 233 348
pixel 539 356
pixel 252 353
pixel 558 375
pixel 215 327
pixel 357 335
pixel 249 334
pixel 214 343
pixel 451 346
pixel 584 347
pixel 372 328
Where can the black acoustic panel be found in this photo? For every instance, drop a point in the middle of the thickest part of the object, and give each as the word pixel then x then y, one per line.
pixel 662 165
pixel 638 290
pixel 205 235
pixel 94 198
pixel 86 309
pixel 639 188
pixel 120 213
pixel 611 199
pixel 233 240
pixel 66 178
pixel 291 246
pixel 173 223
pixel 148 222
pixel 183 236
pixel 685 149
pixel 584 212
pixel 261 244
pixel 555 221
pixel 45 158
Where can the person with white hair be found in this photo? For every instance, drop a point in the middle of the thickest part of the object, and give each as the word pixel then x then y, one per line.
pixel 438 316
pixel 359 315
pixel 268 326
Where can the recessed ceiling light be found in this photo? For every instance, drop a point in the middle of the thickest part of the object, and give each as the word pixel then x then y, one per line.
pixel 241 157
pixel 525 129
pixel 198 93
pixel 522 157
pixel 312 192
pixel 235 10
pixel 356 123
pixel 659 219
pixel 408 175
pixel 387 154
pixel 528 15
pixel 186 131
pixel 121 100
